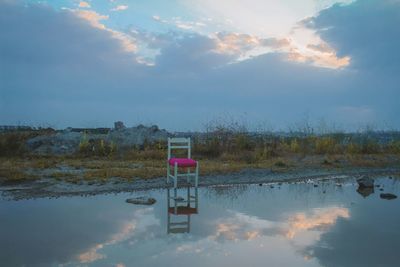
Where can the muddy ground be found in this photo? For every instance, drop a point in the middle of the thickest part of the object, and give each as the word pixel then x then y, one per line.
pixel 47 187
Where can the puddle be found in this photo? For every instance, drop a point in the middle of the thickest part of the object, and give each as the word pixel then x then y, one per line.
pixel 245 225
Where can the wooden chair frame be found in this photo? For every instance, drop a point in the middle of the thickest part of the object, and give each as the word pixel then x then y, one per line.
pixel 181 143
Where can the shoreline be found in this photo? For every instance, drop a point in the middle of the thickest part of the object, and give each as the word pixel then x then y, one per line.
pixel 51 188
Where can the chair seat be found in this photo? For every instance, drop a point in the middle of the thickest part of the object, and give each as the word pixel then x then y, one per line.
pixel 182 210
pixel 182 162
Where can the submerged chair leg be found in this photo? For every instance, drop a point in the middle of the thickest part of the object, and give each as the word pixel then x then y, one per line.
pixel 196 197
pixel 196 181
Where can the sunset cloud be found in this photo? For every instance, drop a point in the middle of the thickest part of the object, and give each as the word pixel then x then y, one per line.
pixel 95 19
pixel 84 4
pixel 337 61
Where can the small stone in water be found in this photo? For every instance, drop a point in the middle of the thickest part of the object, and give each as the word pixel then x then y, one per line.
pixel 141 200
pixel 388 196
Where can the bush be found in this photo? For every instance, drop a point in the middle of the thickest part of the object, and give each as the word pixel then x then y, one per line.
pixel 353 148
pixel 294 146
pixel 325 145
pixel 94 147
pixel 394 147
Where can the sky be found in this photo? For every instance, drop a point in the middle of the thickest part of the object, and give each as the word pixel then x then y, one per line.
pixel 181 64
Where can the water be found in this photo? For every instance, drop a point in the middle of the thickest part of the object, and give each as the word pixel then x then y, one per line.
pixel 247 225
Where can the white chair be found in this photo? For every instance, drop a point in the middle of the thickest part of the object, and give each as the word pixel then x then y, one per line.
pixel 178 163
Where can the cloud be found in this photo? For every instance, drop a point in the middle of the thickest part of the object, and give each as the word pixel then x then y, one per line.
pixel 120 8
pixel 364 30
pixel 156 18
pixel 140 220
pixel 243 227
pixel 84 4
pixel 97 80
pixel 337 248
pixel 274 20
pixel 94 19
pixel 180 24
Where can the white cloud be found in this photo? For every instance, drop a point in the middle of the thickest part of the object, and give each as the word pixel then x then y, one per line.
pixel 156 18
pixel 120 8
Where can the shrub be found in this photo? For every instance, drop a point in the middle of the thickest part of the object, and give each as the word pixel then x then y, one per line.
pixel 353 148
pixel 294 146
pixel 325 145
pixel 94 147
pixel 394 147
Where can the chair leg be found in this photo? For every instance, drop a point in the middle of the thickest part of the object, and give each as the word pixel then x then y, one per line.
pixel 196 181
pixel 196 197
pixel 175 202
pixel 168 170
pixel 176 175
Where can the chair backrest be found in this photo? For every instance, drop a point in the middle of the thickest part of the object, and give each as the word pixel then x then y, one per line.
pixel 179 143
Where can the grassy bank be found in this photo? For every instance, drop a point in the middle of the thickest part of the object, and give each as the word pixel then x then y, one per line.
pixel 221 150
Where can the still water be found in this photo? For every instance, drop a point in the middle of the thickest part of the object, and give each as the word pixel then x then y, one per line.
pixel 246 225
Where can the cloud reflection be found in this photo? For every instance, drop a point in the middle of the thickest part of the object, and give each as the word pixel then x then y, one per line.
pixel 319 219
pixel 141 219
pixel 243 227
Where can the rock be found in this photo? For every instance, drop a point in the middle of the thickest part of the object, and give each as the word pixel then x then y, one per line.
pixel 260 184
pixel 141 200
pixel 365 182
pixel 388 196
pixel 365 191
pixel 154 128
pixel 119 125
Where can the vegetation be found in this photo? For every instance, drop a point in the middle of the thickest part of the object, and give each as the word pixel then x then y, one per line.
pixel 223 148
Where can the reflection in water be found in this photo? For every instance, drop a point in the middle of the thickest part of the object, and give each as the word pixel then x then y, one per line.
pixel 243 227
pixel 294 225
pixel 320 219
pixel 92 254
pixel 365 191
pixel 180 209
pixel 125 231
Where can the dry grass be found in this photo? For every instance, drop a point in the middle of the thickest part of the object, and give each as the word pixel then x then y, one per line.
pixel 75 170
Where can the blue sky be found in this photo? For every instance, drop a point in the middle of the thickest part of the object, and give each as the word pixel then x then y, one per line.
pixel 181 64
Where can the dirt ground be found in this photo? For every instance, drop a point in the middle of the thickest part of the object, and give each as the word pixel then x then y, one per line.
pixel 53 188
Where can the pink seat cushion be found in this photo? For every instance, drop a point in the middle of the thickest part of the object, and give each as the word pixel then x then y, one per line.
pixel 182 162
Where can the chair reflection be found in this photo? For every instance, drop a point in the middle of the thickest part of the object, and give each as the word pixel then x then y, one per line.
pixel 180 209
